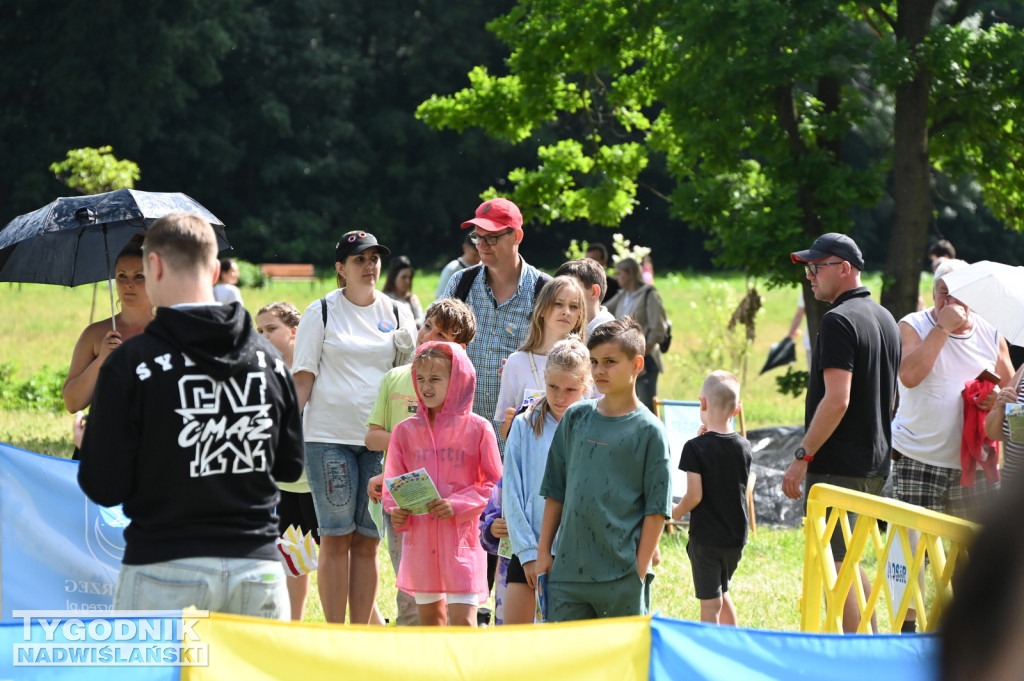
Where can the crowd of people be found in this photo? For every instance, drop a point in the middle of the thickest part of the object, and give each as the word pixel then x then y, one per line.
pixel 526 401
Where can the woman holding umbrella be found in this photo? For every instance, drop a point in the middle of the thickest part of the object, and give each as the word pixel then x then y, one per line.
pixel 100 338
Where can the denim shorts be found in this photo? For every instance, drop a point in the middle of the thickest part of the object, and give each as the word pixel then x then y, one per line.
pixel 243 586
pixel 338 475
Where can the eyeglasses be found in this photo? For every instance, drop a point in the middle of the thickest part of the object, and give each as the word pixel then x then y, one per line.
pixel 812 267
pixel 491 240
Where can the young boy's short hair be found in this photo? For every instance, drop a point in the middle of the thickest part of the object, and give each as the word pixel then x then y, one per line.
pixel 184 240
pixel 587 271
pixel 453 317
pixel 722 392
pixel 625 333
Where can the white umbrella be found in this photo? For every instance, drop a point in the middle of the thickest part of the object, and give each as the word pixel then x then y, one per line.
pixel 994 291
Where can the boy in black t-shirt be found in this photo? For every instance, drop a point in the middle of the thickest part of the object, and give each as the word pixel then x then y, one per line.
pixel 717 465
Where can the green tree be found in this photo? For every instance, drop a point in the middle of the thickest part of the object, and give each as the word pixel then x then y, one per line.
pixel 751 105
pixel 76 75
pixel 93 171
pixel 311 129
pixel 292 121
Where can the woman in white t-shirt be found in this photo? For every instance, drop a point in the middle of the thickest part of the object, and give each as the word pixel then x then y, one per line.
pixel 345 344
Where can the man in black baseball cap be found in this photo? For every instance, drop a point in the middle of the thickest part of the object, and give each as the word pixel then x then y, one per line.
pixel 852 387
pixel 835 244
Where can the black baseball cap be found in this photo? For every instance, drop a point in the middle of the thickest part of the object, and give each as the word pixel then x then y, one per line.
pixel 352 243
pixel 832 243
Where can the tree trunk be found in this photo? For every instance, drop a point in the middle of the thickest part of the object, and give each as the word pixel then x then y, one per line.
pixel 911 168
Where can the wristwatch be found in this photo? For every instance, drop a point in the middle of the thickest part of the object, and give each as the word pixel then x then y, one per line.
pixel 802 455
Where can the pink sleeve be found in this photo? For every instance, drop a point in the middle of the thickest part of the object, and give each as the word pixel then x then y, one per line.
pixel 473 498
pixel 394 466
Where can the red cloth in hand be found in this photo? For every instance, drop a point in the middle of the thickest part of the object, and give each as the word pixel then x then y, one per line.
pixel 974 438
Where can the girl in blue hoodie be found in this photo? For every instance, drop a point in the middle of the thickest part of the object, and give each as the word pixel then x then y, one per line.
pixel 566 381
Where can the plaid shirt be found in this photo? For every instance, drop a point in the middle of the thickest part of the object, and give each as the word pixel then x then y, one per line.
pixel 500 330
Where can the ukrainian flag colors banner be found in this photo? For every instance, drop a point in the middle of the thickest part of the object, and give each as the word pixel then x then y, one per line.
pixel 59 557
pixel 58 550
pixel 616 650
pixel 701 652
pixel 228 647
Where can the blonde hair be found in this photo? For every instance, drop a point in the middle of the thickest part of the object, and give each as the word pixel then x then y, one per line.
pixel 571 356
pixel 722 392
pixel 543 304
pixel 184 240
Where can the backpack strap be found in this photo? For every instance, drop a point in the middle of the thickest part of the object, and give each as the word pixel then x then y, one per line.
pixel 469 275
pixel 542 279
pixel 394 309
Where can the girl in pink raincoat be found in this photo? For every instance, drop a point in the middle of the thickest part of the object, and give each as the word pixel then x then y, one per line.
pixel 446 565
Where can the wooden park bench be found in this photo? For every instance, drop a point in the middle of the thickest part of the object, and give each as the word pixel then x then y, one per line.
pixel 288 272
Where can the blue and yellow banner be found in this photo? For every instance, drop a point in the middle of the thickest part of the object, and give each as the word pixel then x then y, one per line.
pixel 629 649
pixel 58 550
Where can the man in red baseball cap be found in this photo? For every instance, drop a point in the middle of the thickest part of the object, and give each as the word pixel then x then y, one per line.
pixel 497 215
pixel 500 291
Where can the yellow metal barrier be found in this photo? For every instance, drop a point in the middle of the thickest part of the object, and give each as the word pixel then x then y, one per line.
pixel 920 533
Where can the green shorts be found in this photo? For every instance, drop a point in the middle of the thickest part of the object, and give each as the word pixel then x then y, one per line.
pixel 623 597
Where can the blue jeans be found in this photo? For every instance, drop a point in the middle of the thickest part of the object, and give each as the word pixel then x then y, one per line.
pixel 338 475
pixel 243 586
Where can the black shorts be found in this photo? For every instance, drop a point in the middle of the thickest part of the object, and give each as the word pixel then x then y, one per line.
pixel 712 567
pixel 296 508
pixel 516 575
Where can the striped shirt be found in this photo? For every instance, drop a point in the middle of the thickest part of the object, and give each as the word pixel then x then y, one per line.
pixel 500 330
pixel 1013 452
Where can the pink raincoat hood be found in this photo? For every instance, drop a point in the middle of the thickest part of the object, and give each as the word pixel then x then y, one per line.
pixel 460 453
pixel 462 384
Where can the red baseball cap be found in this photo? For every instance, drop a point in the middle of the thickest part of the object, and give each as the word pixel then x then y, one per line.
pixel 496 215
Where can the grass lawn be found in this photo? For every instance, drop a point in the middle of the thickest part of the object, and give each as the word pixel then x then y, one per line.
pixel 766 587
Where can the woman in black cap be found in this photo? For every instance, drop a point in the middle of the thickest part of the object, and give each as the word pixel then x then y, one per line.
pixel 345 344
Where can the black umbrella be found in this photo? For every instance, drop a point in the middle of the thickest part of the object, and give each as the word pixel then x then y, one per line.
pixel 780 354
pixel 69 241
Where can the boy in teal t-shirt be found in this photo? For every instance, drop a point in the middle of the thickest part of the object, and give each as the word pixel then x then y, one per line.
pixel 608 489
pixel 448 320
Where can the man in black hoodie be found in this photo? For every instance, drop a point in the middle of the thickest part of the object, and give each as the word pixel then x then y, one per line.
pixel 192 424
